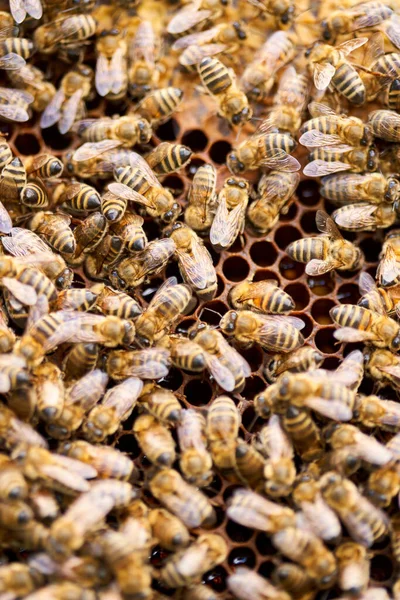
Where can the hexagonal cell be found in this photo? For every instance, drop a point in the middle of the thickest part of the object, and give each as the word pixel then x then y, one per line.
pixel 322 285
pixel 254 356
pixel 254 385
pixel 238 244
pixel 220 286
pixel 238 533
pixel 325 341
pixel 235 268
pixel 55 140
pixel 27 143
pixel 381 567
pixel 198 392
pixel 216 579
pixel 127 443
pixel 290 215
pixel 264 545
pixel 191 168
pixel 286 234
pixel 196 139
pixel 265 275
pixel 242 556
pixel 299 293
pixel 371 249
pixel 172 381
pixel 250 421
pixel 219 151
pixel 168 131
pixel 320 311
pixel 348 293
pixel 175 184
pixel 184 326
pixel 308 224
pixel 308 192
pixel 213 311
pixel 291 269
pixel 308 325
pixel 263 253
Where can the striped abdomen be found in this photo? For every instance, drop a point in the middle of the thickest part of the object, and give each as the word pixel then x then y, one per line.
pixel 222 420
pixel 393 95
pixel 168 158
pixel 348 83
pixel 272 141
pixel 327 124
pixel 34 195
pixel 81 359
pixel 133 178
pixel 5 153
pixel 303 431
pixel 335 188
pixel 20 46
pixel 215 75
pixel 308 248
pixel 13 179
pixel 40 283
pixel 60 238
pixel 348 315
pixel 162 103
pixel 80 27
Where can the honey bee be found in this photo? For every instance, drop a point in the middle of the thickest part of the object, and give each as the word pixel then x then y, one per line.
pixel 13 431
pixel 169 530
pixel 149 363
pixel 111 77
pixel 229 217
pixel 361 445
pixel 18 580
pixel 224 37
pixel 46 166
pixel 68 532
pixel 199 212
pixel 32 81
pixel 67 105
pixel 354 566
pixel 14 104
pixel 158 106
pixel 276 190
pixel 13 50
pixel 195 263
pixel 383 484
pixel 97 159
pixel 364 216
pixel 155 440
pixel 65 33
pixel 20 8
pixel 326 128
pixel 129 130
pixel 129 229
pixel 385 124
pixel 144 73
pixel 292 579
pixel 360 16
pixel 44 504
pixel 170 301
pixel 86 570
pixel 114 303
pixel 108 253
pixel 12 180
pixel 324 161
pixel 388 268
pixel 161 403
pixel 55 229
pixel 113 207
pixel 289 101
pixel 108 461
pixel 259 76
pixel 195 460
pixel 306 549
pixel 361 324
pixel 81 359
pixel 365 523
pixel 244 583
pixel 168 158
pixel 90 233
pixel 261 296
pixel 77 196
pixel 222 428
pixel 7 335
pixel 138 183
pixel 303 359
pixel 382 366
pixel 226 365
pixel 15 515
pixel 76 299
pixel 372 411
pixel 116 406
pixel 275 333
pixel 188 565
pixel 281 12
pixel 182 499
pixel 25 283
pixel 131 272
pixel 369 187
pixel 50 391
pixel 252 510
pixel 279 470
pixel 221 83
pixel 195 13
pixel 323 254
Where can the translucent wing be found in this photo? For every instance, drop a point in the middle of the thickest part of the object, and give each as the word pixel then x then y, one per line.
pixel 197 266
pixel 351 45
pixel 21 291
pixel 226 225
pixel 103 80
pixel 269 332
pixel 319 168
pixel 69 112
pixel 93 149
pixel 388 271
pixel 360 216
pixel 65 478
pixel 281 161
pixel 11 61
pixel 138 162
pixel 370 19
pixel 366 283
pixel 123 191
pixel 14 113
pixel 327 225
pixel 318 109
pixel 392 30
pixel 5 220
pixel 195 39
pixel 12 95
pixel 195 54
pixel 388 127
pixel 221 374
pixel 52 112
pixel 333 409
pixel 116 71
pixel 317 139
pixel 185 19
pixel 231 356
pixel 33 8
pixel 17 10
pixel 323 75
pixel 319 267
pixel 348 334
pixel 162 294
pixel 24 242
pixel 144 43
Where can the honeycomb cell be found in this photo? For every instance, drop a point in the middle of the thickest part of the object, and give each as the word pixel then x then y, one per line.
pixel 291 269
pixel 308 325
pixel 175 184
pixel 254 357
pixel 381 567
pixel 168 131
pixel 229 491
pixel 286 234
pixel 308 224
pixel 242 556
pixel 320 311
pixel 235 268
pixel 264 545
pixel 219 151
pixel 238 533
pixel 55 140
pixel 265 275
pixel 322 285
pixel 127 443
pixel 308 192
pixel 185 325
pixel 173 380
pixel 263 254
pixel 220 286
pixel 348 293
pixel 299 293
pixel 251 422
pixel 266 568
pixel 212 312
pixel 290 215
pixel 150 289
pixel 371 249
pixel 191 168
pixel 366 387
pixel 196 139
pixel 216 579
pixel 214 488
pixel 27 143
pixel 172 270
pixel 325 341
pixel 198 392
pixel 331 363
pixel 214 255
pixel 254 385
pixel 238 244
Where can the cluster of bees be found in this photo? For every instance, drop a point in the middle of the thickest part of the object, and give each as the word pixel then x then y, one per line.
pixel 308 91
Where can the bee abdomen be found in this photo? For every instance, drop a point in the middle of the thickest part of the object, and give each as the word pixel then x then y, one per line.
pixel 214 75
pixel 307 249
pixel 348 315
pixel 278 302
pixel 348 82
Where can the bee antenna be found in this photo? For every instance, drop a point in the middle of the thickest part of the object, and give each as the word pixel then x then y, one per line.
pixel 209 310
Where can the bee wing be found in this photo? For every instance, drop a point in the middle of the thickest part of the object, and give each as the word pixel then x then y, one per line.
pixel 123 191
pixel 221 374
pixel 70 328
pixel 269 332
pixel 319 267
pixel 91 150
pixel 103 81
pixel 350 370
pixel 23 433
pixel 323 75
pixel 361 216
pixel 65 478
pixel 333 409
pixel 359 530
pixel 198 267
pixel 318 109
pixel 5 220
pixel 281 161
pixel 233 357
pixel 366 283
pixel 350 45
pixel 279 445
pixel 392 30
pixel 144 44
pixel 187 18
pixel 393 370
pixel 21 291
pixel 321 519
pixel 387 126
pixel 5 383
pixel 348 334
pixel 14 113
pixel 226 225
pixel 13 94
pixel 197 53
pixel 388 270
pixel 195 39
pixel 78 467
pixel 69 112
pixel 317 139
pixel 319 168
pixel 203 192
pixel 17 10
pixel 33 8
pixel 327 225
pixel 11 61
pixel 369 19
pixel 117 70
pixel 52 112
pixel 138 162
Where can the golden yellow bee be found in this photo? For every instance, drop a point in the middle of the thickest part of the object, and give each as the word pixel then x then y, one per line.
pixel 194 14
pixel 385 124
pixel 14 104
pixel 12 182
pixel 129 130
pixel 369 187
pixel 201 207
pixel 32 80
pixel 18 580
pixel 289 101
pixel 261 296
pixel 222 428
pixel 108 461
pixel 245 583
pixel 364 216
pixel 388 269
pixel 361 324
pixel 155 440
pixel 281 12
pixel 12 482
pixel 354 567
pixel 195 459
pixel 111 75
pixel 97 159
pixel 292 578
pixel 55 229
pixel 161 403
pixel 167 158
pixel 229 217
pixel 65 33
pixel 253 510
pixel 169 530
pixel 157 106
pixel 303 359
pixel 144 72
pixel 149 363
pixel 354 18
pixel 361 445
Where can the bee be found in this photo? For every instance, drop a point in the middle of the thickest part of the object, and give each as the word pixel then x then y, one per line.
pixel 90 233
pixel 108 253
pixel 259 76
pixel 224 37
pixel 12 181
pixel 129 130
pixel 18 580
pixel 25 283
pixel 81 359
pixel 383 485
pixel 13 50
pixel 162 404
pixel 261 296
pixel 67 105
pixel 252 510
pixel 65 33
pixel 113 207
pixel 195 13
pixel 244 583
pixel 50 391
pixel 157 106
pixel 168 158
pixel 226 365
pixel 85 570
pixel 229 218
pixel 292 578
pixel 364 216
pixel 143 73
pixel 361 445
pixel 205 553
pixel 15 515
pixel 129 229
pixel 289 101
pixel 279 470
pixel 13 431
pixel 97 159
pixel 20 8
pixel 170 301
pixel 169 530
pixel 32 80
pixel 326 128
pixel 182 499
pixel 199 212
pixel 195 459
pixel 281 12
pixel 369 187
pixel 138 183
pixel 68 532
pixel 388 268
pixel 114 303
pixel 361 324
pixel 77 196
pixel 250 464
pixel 46 166
pixel 14 104
pixel 107 461
pixel 303 359
pixel 359 16
pixel 324 161
pixel 306 549
pixel 7 335
pixel 372 411
pixel 12 482
pixel 149 363
pixel 131 272
pixel 382 366
pixel 276 190
pixel 111 76
pixel 274 333
pixel 155 440
pixel 221 83
pixel 329 65
pixel 323 254
pixel 319 517
pixel 264 149
pixel 116 406
pixel 55 229
pixel 195 262
pixel 222 428
pixel 365 523
pixel 385 124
